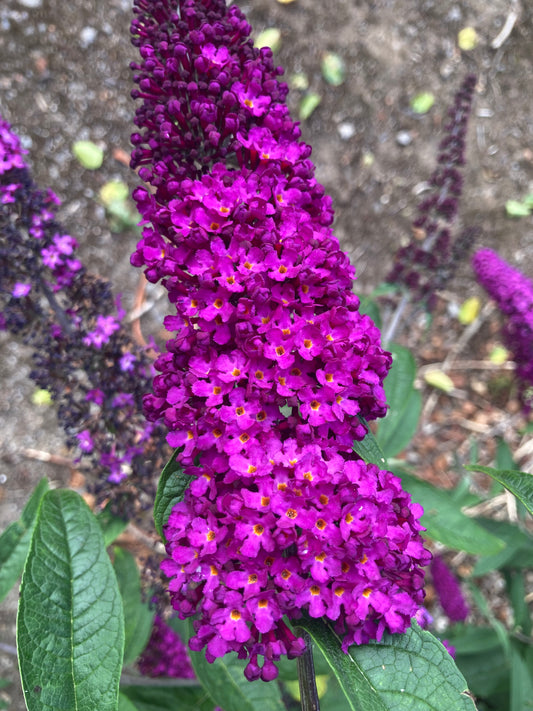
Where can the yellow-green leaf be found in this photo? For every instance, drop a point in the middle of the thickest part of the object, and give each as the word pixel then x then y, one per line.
pixel 422 102
pixel 438 379
pixel 88 154
pixel 333 69
pixel 469 311
pixel 515 208
pixel 271 37
pixel 114 191
pixel 308 104
pixel 499 355
pixel 467 39
pixel 41 397
pixel 299 81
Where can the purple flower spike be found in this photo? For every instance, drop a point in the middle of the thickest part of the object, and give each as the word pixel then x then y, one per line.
pixel 426 263
pixel 82 354
pixel 165 654
pixel 513 293
pixel 449 591
pixel 271 364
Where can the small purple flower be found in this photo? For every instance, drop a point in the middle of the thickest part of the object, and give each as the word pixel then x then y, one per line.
pixel 20 290
pixel 105 327
pixel 449 648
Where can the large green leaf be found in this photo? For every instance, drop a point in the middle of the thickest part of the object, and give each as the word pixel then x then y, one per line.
pixel 521 679
pixel 402 672
pixel 397 429
pixel 359 692
pixel 70 625
pixel 485 668
pixel 169 698
pixel 444 520
pixel 369 449
pixel 15 541
pixel 170 489
pixel 227 686
pixel 516 541
pixel 138 618
pixel 519 483
pixel 124 704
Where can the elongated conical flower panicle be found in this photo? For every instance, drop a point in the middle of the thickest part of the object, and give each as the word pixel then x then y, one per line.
pixel 513 293
pixel 271 366
pixel 82 354
pixel 448 591
pixel 428 261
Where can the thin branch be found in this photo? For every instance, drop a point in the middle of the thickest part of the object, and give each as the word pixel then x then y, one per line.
pixel 307 677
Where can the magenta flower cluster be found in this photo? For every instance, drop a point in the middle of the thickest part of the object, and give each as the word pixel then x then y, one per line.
pixel 165 654
pixel 82 353
pixel 513 293
pixel 271 368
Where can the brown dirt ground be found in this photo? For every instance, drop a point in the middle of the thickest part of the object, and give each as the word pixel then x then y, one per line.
pixel 64 76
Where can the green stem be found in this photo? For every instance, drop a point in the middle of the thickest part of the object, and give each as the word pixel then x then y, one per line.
pixel 306 677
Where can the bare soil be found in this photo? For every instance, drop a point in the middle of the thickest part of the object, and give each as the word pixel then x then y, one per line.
pixel 64 76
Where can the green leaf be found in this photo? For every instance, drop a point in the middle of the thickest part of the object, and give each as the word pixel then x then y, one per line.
pixel 472 640
pixel 469 310
pixel 112 526
pixel 15 541
pixel 515 541
pixel 486 669
pixel 518 483
pixel 422 102
pixel 333 69
pixel 138 618
pixel 88 154
pixel 114 191
pixel 227 686
pixel 518 598
pixel 440 380
pixel 514 208
pixel 397 429
pixel 271 37
pixel 70 626
pixel 369 449
pixel 444 520
pixel 401 672
pixel 370 307
pixel 308 104
pixel 174 698
pixel 467 39
pixel 521 680
pixel 359 692
pixel 486 610
pixel 124 704
pixel 170 490
pixel 41 398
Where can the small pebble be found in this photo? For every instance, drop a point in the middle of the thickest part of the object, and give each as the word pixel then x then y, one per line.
pixel 87 36
pixel 404 138
pixel 346 130
pixel 31 3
